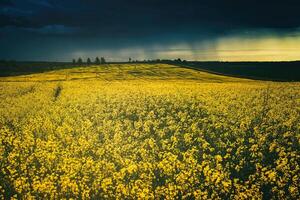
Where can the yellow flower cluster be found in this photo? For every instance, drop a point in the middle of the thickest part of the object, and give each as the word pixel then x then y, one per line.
pixel 142 139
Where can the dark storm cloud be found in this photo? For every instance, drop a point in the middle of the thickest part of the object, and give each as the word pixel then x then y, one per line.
pixel 142 22
pixel 6 3
pixel 135 16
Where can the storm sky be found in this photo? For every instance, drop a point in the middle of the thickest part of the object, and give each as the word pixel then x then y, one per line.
pixel 227 30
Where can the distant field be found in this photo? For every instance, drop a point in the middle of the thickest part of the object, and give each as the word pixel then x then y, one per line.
pixel 276 71
pixel 147 131
pixel 113 72
pixel 11 68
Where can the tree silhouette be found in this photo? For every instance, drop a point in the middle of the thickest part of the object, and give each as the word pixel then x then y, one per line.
pixel 178 60
pixel 74 61
pixel 88 61
pixel 129 59
pixel 97 61
pixel 79 61
pixel 103 60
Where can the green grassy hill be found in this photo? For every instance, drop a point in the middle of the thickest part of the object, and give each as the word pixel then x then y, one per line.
pixel 275 71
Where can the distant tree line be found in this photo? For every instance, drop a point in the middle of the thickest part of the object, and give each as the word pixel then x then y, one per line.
pixel 178 60
pixel 102 60
pixel 97 61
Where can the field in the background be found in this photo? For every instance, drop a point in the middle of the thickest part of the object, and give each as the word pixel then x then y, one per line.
pixel 276 71
pixel 115 72
pixel 148 131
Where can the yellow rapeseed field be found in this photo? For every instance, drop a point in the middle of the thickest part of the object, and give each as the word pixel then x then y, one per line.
pixel 149 131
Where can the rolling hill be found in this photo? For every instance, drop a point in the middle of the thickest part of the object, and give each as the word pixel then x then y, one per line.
pixel 111 72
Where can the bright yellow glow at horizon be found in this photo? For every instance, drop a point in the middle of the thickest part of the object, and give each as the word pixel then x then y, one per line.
pixel 239 47
pixel 266 48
